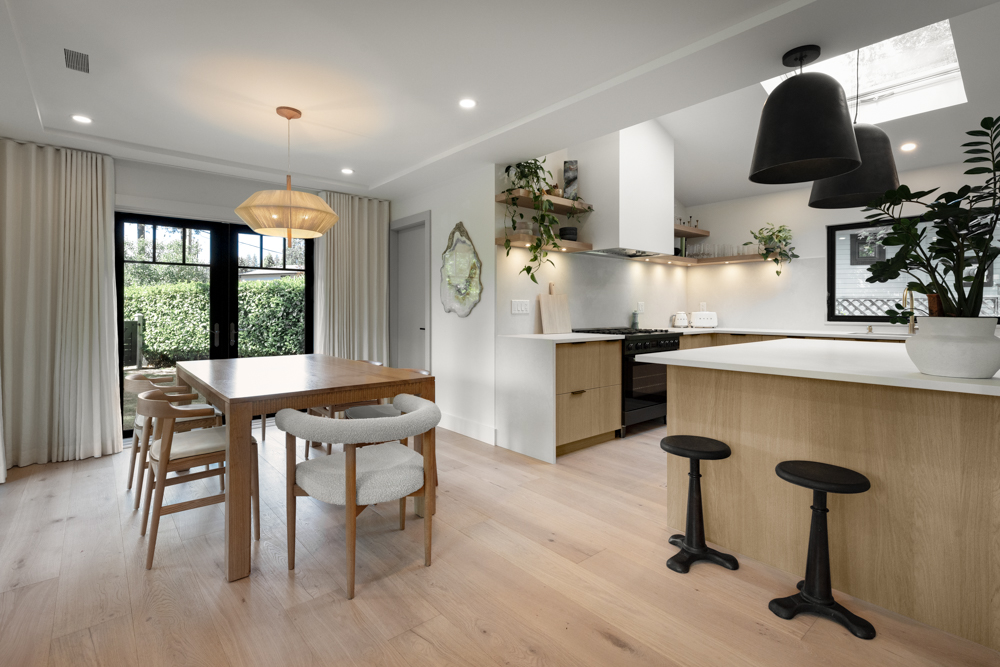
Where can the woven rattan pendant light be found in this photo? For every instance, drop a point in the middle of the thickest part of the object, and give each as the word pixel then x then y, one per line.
pixel 288 213
pixel 805 131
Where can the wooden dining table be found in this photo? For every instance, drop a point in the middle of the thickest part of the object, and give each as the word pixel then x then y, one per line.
pixel 243 388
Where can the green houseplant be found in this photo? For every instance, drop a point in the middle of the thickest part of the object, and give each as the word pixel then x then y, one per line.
pixel 530 179
pixel 775 244
pixel 946 250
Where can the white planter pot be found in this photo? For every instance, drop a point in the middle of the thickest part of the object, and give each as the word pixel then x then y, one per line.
pixel 957 347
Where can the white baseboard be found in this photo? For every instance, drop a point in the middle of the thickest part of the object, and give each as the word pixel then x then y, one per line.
pixel 468 428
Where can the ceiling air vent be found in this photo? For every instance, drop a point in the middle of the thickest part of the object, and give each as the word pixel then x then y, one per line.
pixel 77 61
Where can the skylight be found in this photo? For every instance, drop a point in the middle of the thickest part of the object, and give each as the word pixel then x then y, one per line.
pixel 903 76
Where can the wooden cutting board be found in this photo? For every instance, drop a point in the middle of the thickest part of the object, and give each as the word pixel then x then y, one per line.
pixel 555 312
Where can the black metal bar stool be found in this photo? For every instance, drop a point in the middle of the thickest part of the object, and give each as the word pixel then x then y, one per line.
pixel 692 544
pixel 815 594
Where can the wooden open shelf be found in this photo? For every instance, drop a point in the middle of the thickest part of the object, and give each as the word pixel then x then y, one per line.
pixel 683 231
pixel 525 240
pixel 560 205
pixel 706 261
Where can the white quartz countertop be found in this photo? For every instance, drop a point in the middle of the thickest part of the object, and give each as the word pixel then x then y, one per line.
pixel 840 361
pixel 565 337
pixel 858 332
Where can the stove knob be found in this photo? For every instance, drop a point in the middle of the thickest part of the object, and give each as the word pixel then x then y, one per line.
pixel 648 345
pixel 630 346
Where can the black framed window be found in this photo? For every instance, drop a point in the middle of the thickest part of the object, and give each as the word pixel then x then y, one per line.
pixel 854 247
pixel 191 289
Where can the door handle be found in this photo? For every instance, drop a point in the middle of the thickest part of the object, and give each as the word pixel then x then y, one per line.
pixel 216 334
pixel 579 391
pixel 232 333
pixel 422 329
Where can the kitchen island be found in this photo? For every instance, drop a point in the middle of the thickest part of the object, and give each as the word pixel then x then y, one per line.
pixel 924 542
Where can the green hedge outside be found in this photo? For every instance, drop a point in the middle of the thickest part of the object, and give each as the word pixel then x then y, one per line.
pixel 271 318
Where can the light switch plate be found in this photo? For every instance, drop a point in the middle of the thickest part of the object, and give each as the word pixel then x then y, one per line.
pixel 640 307
pixel 519 307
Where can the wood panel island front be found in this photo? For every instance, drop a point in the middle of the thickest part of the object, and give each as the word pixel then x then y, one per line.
pixel 924 542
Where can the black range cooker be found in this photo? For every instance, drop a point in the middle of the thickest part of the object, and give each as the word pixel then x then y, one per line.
pixel 644 386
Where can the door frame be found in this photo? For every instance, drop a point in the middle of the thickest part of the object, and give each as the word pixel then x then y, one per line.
pixel 422 219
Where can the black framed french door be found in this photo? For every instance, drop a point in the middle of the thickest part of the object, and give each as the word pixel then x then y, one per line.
pixel 190 289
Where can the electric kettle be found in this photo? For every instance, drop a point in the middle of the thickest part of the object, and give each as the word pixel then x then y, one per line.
pixel 680 320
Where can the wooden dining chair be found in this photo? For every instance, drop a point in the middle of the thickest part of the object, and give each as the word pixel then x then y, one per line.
pixel 373 468
pixel 137 383
pixel 331 411
pixel 175 451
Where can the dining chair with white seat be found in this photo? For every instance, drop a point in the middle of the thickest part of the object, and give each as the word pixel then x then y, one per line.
pixel 137 383
pixel 175 451
pixel 373 468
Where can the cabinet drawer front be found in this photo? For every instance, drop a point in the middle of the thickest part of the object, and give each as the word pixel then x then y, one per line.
pixel 576 416
pixel 587 365
pixel 608 409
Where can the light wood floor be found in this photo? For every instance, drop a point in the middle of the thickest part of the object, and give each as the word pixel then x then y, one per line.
pixel 533 565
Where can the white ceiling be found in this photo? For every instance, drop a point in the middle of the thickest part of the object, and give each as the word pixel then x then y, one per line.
pixel 714 140
pixel 195 84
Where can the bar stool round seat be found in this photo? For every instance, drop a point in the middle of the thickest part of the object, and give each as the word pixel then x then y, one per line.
pixel 815 594
pixel 695 447
pixel 822 477
pixel 692 543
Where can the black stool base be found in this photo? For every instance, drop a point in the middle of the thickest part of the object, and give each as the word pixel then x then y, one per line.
pixel 682 562
pixel 793 605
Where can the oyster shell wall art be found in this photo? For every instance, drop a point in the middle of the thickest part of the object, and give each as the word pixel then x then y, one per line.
pixel 461 273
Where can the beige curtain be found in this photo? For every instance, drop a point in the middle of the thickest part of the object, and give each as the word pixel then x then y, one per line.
pixel 58 333
pixel 351 281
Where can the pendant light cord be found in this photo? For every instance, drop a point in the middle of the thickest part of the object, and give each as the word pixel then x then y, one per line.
pixel 857 85
pixel 288 162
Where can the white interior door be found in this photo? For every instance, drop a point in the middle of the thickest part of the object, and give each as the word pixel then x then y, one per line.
pixel 409 306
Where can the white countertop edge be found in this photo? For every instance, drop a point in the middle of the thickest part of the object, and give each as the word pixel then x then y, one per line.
pixel 897 378
pixel 789 332
pixel 564 338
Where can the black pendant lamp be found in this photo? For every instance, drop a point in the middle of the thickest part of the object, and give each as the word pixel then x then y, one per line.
pixel 876 175
pixel 805 131
pixel 858 188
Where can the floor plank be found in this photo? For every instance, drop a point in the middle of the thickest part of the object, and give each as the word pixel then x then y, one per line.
pixel 110 644
pixel 26 624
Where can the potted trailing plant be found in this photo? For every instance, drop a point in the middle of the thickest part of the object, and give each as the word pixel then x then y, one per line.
pixel 947 251
pixel 775 244
pixel 530 180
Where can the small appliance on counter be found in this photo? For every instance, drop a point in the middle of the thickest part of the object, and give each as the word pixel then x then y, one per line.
pixel 680 320
pixel 704 320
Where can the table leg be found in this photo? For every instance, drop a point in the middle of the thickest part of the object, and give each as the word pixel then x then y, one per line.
pixel 239 421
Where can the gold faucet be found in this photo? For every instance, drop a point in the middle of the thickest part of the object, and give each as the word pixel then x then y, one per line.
pixel 912 328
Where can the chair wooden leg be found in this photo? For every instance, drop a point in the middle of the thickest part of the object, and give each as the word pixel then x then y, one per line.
pixel 429 505
pixel 402 513
pixel 157 506
pixel 131 464
pixel 255 495
pixel 290 496
pixel 222 479
pixel 308 447
pixel 329 449
pixel 263 428
pixel 143 458
pixel 147 500
pixel 351 512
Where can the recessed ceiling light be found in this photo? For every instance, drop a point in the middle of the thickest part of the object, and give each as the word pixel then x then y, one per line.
pixel 467 103
pixel 82 119
pixel 347 170
pixel 908 146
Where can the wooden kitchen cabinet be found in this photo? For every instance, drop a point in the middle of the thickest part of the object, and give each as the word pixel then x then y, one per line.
pixel 555 395
pixel 588 393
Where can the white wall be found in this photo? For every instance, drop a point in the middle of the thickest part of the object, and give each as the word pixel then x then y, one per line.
pixel 751 295
pixel 141 187
pixel 462 349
